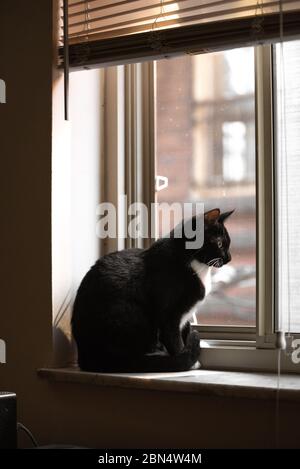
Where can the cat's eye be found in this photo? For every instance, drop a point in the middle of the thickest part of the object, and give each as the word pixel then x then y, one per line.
pixel 220 244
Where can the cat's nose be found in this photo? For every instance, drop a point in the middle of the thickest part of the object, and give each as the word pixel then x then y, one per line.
pixel 228 257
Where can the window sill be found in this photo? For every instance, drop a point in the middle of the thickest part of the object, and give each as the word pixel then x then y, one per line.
pixel 202 382
pixel 244 356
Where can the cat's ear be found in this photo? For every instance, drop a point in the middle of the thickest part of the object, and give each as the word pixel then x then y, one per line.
pixel 212 216
pixel 224 216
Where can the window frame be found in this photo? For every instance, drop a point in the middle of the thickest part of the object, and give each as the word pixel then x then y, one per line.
pixel 265 207
pixel 129 140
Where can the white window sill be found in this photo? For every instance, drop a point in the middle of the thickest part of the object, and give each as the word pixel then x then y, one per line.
pixel 244 356
pixel 202 382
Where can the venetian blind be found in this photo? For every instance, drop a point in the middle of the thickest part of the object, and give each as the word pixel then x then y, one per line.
pixel 107 32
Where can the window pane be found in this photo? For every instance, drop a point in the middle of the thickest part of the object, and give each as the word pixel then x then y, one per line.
pixel 288 171
pixel 205 141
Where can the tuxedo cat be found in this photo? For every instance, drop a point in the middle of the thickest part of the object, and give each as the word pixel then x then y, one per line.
pixel 132 308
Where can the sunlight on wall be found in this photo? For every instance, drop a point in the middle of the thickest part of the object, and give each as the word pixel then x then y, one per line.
pixel 75 195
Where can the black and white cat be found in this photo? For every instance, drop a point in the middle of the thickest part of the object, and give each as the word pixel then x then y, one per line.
pixel 132 308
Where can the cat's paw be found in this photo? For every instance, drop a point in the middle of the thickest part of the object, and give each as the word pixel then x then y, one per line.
pixel 196 366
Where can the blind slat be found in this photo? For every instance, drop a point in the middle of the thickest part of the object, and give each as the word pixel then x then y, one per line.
pixel 98 21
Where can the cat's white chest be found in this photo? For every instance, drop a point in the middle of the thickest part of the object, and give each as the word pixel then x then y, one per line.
pixel 203 272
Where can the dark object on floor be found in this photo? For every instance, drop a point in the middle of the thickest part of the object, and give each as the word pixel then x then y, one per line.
pixel 8 420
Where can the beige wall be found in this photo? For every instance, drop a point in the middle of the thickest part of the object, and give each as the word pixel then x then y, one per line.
pixel 25 185
pixel 77 413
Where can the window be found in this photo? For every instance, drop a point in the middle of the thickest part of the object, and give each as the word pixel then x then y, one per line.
pixel 205 141
pixel 211 125
pixel 208 131
pixel 206 118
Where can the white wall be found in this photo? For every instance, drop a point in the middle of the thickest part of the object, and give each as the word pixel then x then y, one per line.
pixel 85 113
pixel 75 195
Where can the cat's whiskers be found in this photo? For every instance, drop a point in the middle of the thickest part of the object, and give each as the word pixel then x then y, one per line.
pixel 213 262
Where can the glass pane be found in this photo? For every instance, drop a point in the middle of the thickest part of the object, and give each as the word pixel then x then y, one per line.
pixel 205 140
pixel 288 171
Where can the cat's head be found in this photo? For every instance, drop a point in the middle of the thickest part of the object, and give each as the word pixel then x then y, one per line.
pixel 215 250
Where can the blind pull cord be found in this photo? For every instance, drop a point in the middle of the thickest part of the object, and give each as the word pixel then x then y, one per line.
pixel 66 59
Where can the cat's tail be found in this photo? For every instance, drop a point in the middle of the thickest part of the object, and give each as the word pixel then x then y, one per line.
pixel 152 363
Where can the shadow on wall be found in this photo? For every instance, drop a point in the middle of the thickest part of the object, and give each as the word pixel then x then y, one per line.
pixel 65 353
